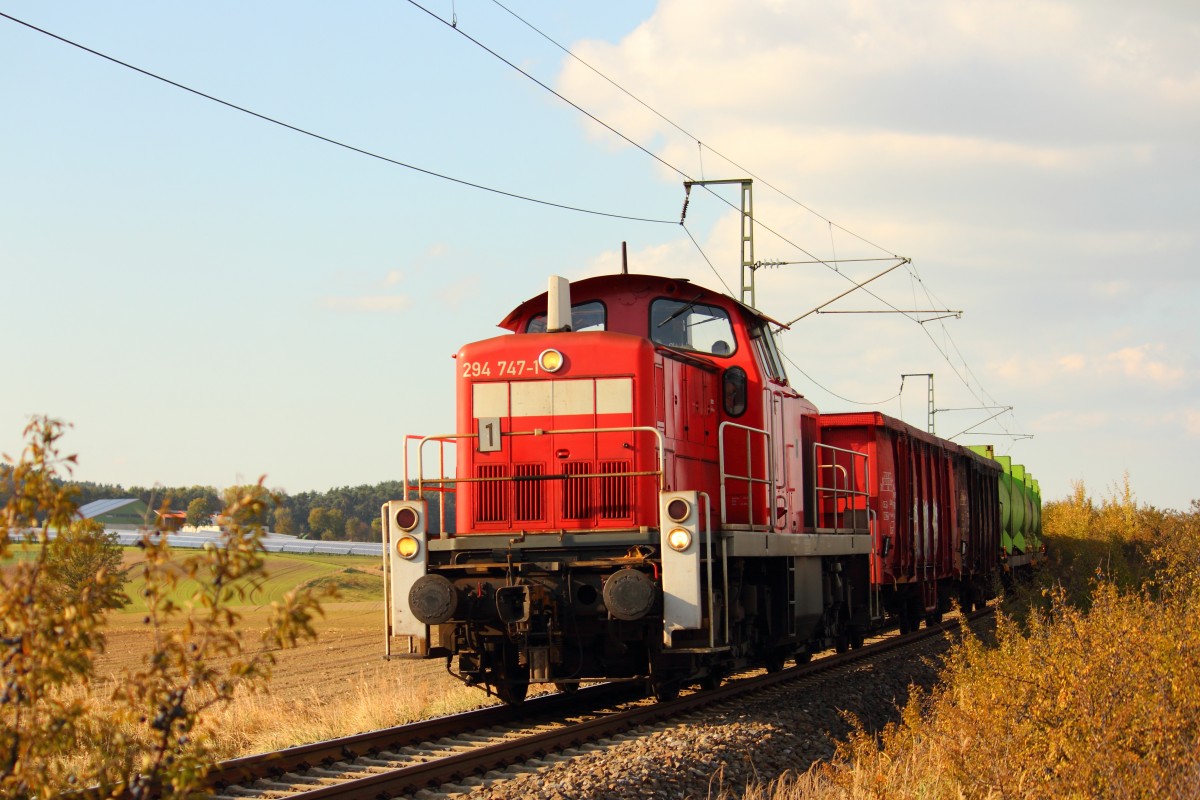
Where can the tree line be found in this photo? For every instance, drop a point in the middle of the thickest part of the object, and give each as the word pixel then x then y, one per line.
pixel 345 513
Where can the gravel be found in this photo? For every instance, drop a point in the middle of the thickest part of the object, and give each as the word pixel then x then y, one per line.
pixel 722 748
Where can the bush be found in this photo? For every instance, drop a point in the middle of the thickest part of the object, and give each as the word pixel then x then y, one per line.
pixel 83 565
pixel 1103 703
pixel 1095 694
pixel 54 737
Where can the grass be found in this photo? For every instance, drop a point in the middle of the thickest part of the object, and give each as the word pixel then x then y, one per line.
pixel 256 723
pixel 337 686
pixel 1091 689
pixel 285 572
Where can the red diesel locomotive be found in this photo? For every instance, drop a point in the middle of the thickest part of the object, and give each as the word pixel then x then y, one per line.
pixel 640 494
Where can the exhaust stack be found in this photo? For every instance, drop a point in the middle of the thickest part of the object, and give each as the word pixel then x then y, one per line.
pixel 558 305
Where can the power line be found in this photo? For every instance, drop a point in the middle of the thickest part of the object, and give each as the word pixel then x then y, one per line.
pixel 653 155
pixel 835 394
pixel 573 105
pixel 685 132
pixel 329 140
pixel 551 204
pixel 701 145
pixel 706 258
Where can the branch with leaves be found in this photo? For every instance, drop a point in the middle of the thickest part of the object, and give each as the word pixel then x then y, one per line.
pixel 54 595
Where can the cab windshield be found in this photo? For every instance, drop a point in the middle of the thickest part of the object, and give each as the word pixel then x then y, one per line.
pixel 589 316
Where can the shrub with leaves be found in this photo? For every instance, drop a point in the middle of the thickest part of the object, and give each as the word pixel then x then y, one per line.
pixel 1110 539
pixel 1086 699
pixel 140 742
pixel 47 640
pixel 1103 703
pixel 84 558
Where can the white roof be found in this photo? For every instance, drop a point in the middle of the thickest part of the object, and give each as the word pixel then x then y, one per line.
pixel 98 507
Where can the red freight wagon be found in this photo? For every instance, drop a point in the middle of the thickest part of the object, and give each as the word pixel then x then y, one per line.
pixel 931 505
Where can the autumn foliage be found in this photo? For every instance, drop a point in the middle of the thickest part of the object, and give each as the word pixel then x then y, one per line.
pixel 57 584
pixel 1090 688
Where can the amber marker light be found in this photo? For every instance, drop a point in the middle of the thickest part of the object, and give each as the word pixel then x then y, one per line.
pixel 407 546
pixel 550 360
pixel 679 539
pixel 407 518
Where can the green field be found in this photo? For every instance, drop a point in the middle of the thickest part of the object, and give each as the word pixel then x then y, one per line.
pixel 356 578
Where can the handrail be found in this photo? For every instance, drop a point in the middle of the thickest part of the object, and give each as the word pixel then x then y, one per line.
pixel 749 479
pixel 441 468
pixel 446 483
pixel 838 495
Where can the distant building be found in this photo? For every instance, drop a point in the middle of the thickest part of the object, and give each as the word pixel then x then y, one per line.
pixel 171 521
pixel 119 514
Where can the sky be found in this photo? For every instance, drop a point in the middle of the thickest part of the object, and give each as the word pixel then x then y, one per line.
pixel 207 296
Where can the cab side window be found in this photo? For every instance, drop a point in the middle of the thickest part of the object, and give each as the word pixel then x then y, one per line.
pixel 768 354
pixel 692 326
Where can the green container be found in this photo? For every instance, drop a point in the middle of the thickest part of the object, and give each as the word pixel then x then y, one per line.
pixel 1020 504
pixel 1006 504
pixel 1035 531
pixel 1020 508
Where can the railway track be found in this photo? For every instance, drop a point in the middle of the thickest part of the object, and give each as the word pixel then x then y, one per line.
pixel 408 759
pixel 425 755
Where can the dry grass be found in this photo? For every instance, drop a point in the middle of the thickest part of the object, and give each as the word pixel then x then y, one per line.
pixel 256 722
pixel 1093 693
pixel 337 686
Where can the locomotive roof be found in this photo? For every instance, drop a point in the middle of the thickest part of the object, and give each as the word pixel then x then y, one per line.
pixel 604 287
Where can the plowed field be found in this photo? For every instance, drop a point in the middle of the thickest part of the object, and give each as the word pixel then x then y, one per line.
pixel 347 654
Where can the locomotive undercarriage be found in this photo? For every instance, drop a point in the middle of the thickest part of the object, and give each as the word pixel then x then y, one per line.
pixel 516 617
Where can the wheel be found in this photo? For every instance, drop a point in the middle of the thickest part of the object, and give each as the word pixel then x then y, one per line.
pixel 910 616
pixel 841 642
pixel 711 681
pixel 512 693
pixel 856 640
pixel 774 661
pixel 665 690
pixel 933 618
pixel 803 657
pixel 566 688
pixel 512 680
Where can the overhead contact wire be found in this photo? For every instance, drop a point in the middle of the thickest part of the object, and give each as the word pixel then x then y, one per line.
pixel 835 394
pixel 705 256
pixel 701 145
pixel 684 131
pixel 648 152
pixel 327 139
pixel 573 105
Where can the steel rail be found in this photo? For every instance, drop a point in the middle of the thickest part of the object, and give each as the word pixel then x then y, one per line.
pixel 265 765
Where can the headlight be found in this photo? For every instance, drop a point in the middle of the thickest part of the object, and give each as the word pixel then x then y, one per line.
pixel 679 539
pixel 550 360
pixel 407 546
pixel 679 509
pixel 407 518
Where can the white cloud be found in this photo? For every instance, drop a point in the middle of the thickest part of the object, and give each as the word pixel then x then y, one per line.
pixel 1072 362
pixel 1138 362
pixel 1146 362
pixel 1192 422
pixel 456 293
pixel 368 304
pixel 1066 421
